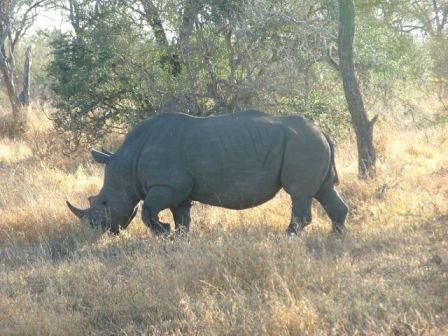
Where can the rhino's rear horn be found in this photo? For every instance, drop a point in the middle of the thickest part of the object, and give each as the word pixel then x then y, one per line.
pixel 100 157
pixel 81 214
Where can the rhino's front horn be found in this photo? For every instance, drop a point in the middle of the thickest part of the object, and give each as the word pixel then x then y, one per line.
pixel 81 214
pixel 105 151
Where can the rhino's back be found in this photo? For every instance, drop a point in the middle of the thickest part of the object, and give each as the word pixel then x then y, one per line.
pixel 235 160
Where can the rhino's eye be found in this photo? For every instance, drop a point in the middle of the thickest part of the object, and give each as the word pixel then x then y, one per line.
pixel 104 202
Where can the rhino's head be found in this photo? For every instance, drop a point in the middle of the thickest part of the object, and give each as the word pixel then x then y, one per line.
pixel 113 208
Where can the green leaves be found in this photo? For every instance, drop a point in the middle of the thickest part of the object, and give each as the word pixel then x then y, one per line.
pixel 110 72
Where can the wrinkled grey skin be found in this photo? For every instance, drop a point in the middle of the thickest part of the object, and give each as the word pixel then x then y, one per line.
pixel 234 161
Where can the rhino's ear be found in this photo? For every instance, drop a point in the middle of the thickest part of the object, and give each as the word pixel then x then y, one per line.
pixel 100 157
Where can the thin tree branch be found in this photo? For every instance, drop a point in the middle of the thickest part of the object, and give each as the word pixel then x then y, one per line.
pixel 331 59
pixel 313 28
pixel 152 17
pixel 436 14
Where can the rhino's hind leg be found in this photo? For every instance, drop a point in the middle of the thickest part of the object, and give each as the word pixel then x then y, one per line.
pixel 157 199
pixel 334 206
pixel 182 219
pixel 301 215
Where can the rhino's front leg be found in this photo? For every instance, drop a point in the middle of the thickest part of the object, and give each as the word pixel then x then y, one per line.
pixel 157 199
pixel 182 219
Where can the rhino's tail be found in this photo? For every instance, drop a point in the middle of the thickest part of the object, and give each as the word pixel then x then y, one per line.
pixel 332 163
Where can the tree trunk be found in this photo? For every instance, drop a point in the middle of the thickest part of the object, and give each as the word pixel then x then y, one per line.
pixel 363 127
pixel 18 102
pixel 190 12
pixel 24 96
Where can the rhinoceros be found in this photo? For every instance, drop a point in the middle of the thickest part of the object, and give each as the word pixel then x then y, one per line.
pixel 235 161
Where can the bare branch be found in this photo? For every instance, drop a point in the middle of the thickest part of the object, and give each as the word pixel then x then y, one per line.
pixel 152 17
pixel 373 120
pixel 16 17
pixel 311 27
pixel 444 18
pixel 74 16
pixel 410 28
pixel 424 17
pixel 436 13
pixel 331 59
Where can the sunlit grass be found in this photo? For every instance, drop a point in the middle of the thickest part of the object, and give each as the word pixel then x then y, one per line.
pixel 237 274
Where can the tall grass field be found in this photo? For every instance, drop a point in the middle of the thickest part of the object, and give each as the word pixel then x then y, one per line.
pixel 237 273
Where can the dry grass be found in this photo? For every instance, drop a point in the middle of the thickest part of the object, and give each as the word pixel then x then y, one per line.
pixel 237 274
